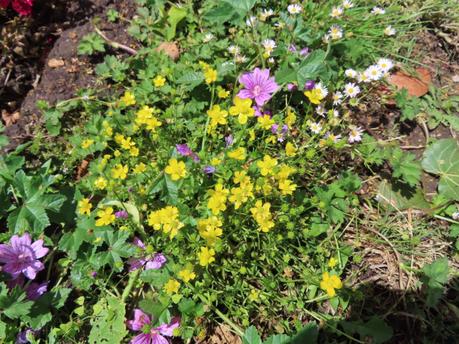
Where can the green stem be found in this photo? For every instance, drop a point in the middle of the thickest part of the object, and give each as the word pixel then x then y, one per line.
pixel 132 279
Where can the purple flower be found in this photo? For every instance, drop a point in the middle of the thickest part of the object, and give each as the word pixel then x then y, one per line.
pixel 21 256
pixel 22 336
pixel 309 85
pixel 149 261
pixel 304 52
pixel 258 85
pixel 35 290
pixel 229 140
pixel 122 214
pixel 291 87
pixel 274 128
pixel 209 169
pixel 151 335
pixel 184 150
pixel 292 48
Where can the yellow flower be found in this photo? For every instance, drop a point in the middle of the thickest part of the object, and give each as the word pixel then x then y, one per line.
pixel 166 219
pixel 172 286
pixel 152 124
pixel 140 168
pixel 176 169
pixel 106 217
pixel 222 93
pixel 159 81
pixel 217 116
pixel 329 283
pixel 284 172
pixel 217 200
pixel 134 151
pixel 128 98
pixel 84 206
pixel 143 115
pixel 254 295
pixel 291 117
pixel 252 135
pixel 241 177
pixel 186 275
pixel 332 262
pixel 215 161
pixel 116 153
pixel 209 229
pixel 238 154
pixel 266 165
pixel 315 96
pixel 262 215
pixel 119 171
pixel 242 108
pixel 241 194
pixel 287 187
pixel 100 183
pixel 87 143
pixel 290 149
pixel 206 256
pixel 266 122
pixel 211 75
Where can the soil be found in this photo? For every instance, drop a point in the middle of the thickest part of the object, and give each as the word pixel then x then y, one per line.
pixel 50 68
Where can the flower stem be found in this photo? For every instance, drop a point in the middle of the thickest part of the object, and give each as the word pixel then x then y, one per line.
pixel 132 279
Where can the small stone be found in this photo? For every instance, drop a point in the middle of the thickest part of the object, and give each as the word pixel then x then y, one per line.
pixel 56 63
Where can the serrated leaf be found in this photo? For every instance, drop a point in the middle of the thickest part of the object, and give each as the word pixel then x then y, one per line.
pixel 251 336
pixel 312 67
pixel 108 324
pixel 442 159
pixel 223 12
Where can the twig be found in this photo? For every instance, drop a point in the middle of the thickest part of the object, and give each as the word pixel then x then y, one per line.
pixel 114 44
pixel 413 147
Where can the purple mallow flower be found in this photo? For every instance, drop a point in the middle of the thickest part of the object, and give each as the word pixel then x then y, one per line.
pixel 122 214
pixel 304 52
pixel 184 150
pixel 309 85
pixel 151 335
pixel 229 140
pixel 209 169
pixel 258 86
pixel 21 338
pixel 153 261
pixel 291 87
pixel 35 290
pixel 21 256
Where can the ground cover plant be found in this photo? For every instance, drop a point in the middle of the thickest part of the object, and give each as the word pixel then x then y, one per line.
pixel 220 175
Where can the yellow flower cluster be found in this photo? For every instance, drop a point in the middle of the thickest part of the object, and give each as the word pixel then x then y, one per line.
pixel 262 215
pixel 206 256
pixel 217 200
pixel 128 99
pixel 241 194
pixel 217 116
pixel 146 116
pixel 238 154
pixel 329 283
pixel 127 143
pixel 210 229
pixel 106 217
pixel 166 219
pixel 84 206
pixel 243 109
pixel 119 171
pixel 267 165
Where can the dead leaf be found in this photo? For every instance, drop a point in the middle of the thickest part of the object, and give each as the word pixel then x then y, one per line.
pixel 171 49
pixel 10 118
pixel 415 85
pixel 82 170
pixel 55 63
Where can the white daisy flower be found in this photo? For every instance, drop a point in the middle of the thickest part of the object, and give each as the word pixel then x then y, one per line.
pixel 374 72
pixel 269 45
pixel 336 32
pixel 294 9
pixel 336 12
pixel 337 98
pixel 385 65
pixel 347 4
pixel 351 90
pixel 251 21
pixel 378 10
pixel 350 73
pixel 208 37
pixel 323 89
pixel 326 38
pixel 389 31
pixel 234 49
pixel 320 110
pixel 265 14
pixel 335 113
pixel 240 58
pixel 332 137
pixel 364 77
pixel 355 134
pixel 315 128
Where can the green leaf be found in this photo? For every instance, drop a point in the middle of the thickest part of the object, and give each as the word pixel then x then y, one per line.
pixel 308 335
pixel 312 67
pixel 251 336
pixel 285 74
pixel 222 13
pixel 242 7
pixel 171 189
pixel 190 80
pixel 13 304
pixel 28 217
pixel 91 44
pixel 395 196
pixel 278 339
pixel 174 17
pixel 406 166
pixel 442 159
pixel 108 322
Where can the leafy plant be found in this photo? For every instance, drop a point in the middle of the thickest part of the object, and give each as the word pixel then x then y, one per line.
pixel 90 44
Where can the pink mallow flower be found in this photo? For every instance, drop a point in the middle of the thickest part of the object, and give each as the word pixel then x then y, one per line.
pixel 258 86
pixel 153 261
pixel 150 334
pixel 22 256
pixel 23 7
